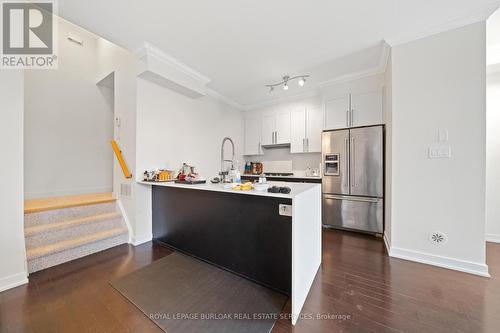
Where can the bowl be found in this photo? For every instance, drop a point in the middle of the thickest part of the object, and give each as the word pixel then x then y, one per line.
pixel 261 187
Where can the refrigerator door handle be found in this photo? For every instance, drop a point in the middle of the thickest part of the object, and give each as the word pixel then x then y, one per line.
pixel 346 169
pixel 353 163
pixel 343 197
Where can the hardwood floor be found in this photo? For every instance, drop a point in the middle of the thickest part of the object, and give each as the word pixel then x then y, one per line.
pixel 369 292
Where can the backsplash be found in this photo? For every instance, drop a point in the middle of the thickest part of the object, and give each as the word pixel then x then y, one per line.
pixel 300 162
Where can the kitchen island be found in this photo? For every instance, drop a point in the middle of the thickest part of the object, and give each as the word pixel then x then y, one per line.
pixel 273 239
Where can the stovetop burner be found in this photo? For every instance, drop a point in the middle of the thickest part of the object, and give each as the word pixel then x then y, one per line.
pixel 278 174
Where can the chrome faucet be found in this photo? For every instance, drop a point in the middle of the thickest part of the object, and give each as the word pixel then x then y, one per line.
pixel 224 172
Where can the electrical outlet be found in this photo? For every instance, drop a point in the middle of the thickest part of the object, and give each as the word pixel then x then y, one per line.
pixel 440 151
pixel 285 210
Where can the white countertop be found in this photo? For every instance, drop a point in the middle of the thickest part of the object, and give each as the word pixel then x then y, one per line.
pixel 296 188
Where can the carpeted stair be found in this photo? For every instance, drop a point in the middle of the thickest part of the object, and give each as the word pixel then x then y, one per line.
pixel 55 236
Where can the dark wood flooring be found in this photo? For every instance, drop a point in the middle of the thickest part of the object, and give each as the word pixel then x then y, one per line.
pixel 358 283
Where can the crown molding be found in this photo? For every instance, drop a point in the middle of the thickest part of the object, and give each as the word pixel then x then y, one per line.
pixel 214 94
pixel 279 100
pixel 478 15
pixel 147 49
pixel 379 69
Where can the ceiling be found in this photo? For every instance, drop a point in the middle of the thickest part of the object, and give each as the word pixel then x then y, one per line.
pixel 242 45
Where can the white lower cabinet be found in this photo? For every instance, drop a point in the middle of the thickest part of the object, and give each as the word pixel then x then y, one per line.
pixel 306 127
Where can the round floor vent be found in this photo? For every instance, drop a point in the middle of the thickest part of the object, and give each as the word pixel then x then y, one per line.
pixel 437 238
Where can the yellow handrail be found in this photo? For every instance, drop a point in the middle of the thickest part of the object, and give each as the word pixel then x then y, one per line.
pixel 119 156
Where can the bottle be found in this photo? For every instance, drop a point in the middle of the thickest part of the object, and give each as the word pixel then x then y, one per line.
pixel 237 173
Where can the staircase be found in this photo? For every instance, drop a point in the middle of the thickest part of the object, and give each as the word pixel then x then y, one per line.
pixel 61 229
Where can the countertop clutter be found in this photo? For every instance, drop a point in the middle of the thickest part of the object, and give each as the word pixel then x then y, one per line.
pixel 295 188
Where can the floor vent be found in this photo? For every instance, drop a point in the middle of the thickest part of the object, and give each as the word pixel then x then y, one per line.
pixel 437 238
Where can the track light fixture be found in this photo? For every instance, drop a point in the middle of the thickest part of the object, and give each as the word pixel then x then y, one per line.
pixel 284 82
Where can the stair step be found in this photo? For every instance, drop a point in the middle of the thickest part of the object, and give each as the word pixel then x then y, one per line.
pixel 57 226
pixel 67 214
pixel 73 243
pixel 68 201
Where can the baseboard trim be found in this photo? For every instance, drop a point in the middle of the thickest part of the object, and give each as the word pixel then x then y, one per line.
pixel 141 239
pixel 125 218
pixel 493 238
pixel 439 261
pixel 387 244
pixel 13 281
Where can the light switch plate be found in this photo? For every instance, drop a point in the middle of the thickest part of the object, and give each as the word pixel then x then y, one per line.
pixel 285 210
pixel 443 135
pixel 440 151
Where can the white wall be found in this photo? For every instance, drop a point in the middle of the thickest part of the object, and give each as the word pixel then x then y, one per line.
pixel 439 82
pixel 300 162
pixel 493 159
pixel 68 123
pixel 125 66
pixel 12 251
pixel 172 129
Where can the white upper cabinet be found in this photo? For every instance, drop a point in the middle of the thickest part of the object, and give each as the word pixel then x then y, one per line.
pixel 306 128
pixel 252 136
pixel 367 109
pixel 276 128
pixel 282 127
pixel 354 110
pixel 337 112
pixel 314 128
pixel 268 129
pixel 298 131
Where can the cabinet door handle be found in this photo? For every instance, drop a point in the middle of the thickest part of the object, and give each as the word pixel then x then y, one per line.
pixel 303 145
pixel 352 117
pixel 307 143
pixel 258 148
pixel 276 137
pixel 348 118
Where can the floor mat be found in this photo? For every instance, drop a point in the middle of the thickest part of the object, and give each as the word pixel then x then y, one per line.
pixel 182 294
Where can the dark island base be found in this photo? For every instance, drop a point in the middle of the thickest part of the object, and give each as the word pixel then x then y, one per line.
pixel 241 233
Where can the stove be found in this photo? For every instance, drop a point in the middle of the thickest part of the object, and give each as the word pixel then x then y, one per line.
pixel 278 174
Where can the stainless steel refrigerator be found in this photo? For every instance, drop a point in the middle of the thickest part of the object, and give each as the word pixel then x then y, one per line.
pixel 353 179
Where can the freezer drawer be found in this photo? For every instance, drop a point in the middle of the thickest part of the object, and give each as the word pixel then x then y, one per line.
pixel 357 213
